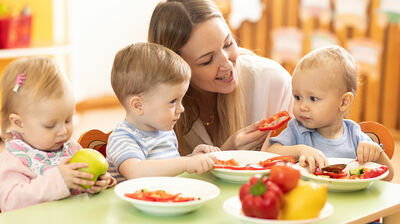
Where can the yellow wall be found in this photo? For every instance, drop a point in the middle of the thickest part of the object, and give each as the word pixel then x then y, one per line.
pixel 42 23
pixel 42 26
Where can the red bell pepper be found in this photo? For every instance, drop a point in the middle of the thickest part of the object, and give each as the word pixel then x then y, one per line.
pixel 376 172
pixel 261 198
pixel 268 163
pixel 275 121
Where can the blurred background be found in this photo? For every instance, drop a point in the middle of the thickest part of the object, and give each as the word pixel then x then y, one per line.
pixel 83 36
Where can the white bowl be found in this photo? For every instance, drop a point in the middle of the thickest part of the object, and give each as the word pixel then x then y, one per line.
pixel 233 206
pixel 344 185
pixel 243 157
pixel 173 185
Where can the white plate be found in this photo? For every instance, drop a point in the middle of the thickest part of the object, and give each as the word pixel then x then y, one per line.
pixel 233 207
pixel 173 185
pixel 343 185
pixel 243 157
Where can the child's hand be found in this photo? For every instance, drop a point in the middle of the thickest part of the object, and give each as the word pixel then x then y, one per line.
pixel 72 177
pixel 311 157
pixel 203 148
pixel 102 183
pixel 368 151
pixel 199 163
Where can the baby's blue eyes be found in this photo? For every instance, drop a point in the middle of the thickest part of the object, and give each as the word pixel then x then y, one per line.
pixel 312 98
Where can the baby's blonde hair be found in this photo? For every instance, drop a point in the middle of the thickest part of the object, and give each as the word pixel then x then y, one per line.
pixel 335 57
pixel 141 67
pixel 43 79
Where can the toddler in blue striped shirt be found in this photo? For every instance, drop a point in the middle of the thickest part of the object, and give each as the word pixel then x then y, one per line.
pixel 150 82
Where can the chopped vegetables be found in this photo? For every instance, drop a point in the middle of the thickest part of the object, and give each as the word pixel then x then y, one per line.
pixel 357 173
pixel 158 196
pixel 232 164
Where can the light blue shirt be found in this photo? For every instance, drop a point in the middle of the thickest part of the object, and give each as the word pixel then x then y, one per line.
pixel 126 142
pixel 343 147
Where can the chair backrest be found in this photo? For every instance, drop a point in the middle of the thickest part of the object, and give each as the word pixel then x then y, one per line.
pixel 379 134
pixel 94 139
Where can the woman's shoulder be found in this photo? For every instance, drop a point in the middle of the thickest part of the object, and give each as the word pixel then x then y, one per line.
pixel 254 65
pixel 257 62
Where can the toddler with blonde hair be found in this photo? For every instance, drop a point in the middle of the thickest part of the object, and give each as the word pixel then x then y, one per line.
pixel 37 118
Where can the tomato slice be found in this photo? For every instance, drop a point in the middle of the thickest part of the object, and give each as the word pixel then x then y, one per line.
pixel 268 163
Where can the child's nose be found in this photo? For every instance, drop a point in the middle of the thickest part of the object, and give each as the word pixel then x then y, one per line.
pixel 303 106
pixel 180 109
pixel 63 130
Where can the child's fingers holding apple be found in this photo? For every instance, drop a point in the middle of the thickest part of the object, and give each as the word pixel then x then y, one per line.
pixel 72 177
pixel 102 183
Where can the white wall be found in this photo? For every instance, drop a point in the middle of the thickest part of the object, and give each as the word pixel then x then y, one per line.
pixel 97 30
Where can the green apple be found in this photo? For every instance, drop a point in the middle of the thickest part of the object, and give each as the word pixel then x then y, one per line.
pixel 97 164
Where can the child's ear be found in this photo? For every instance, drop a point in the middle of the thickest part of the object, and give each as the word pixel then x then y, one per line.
pixel 136 105
pixel 16 123
pixel 346 101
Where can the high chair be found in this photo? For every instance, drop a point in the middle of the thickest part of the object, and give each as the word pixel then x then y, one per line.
pixel 94 139
pixel 379 134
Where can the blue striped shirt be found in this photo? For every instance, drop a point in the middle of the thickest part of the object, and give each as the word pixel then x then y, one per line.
pixel 126 142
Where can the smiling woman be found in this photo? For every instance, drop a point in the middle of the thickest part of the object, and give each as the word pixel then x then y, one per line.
pixel 229 91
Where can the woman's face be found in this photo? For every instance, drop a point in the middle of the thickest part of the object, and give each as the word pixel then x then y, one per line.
pixel 211 53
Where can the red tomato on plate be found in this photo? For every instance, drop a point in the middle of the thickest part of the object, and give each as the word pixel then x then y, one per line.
pixel 286 177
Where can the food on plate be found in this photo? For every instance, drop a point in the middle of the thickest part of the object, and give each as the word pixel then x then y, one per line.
pixel 305 201
pixel 357 173
pixel 282 196
pixel 261 165
pixel 158 196
pixel 286 177
pixel 268 163
pixel 261 198
pixel 231 162
pixel 275 121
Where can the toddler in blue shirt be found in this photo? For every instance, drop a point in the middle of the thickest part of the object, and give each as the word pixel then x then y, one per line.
pixel 324 84
pixel 150 81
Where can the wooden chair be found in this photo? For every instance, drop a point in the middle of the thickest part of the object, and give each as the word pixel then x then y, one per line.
pixel 94 139
pixel 379 134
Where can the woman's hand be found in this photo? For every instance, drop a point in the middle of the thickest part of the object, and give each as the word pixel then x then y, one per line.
pixel 246 138
pixel 203 148
pixel 368 152
pixel 72 177
pixel 308 156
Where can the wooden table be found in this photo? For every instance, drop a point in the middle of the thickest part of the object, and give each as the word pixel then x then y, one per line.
pixel 380 199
